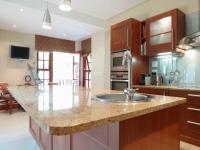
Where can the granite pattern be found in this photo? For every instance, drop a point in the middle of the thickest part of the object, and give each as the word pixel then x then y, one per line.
pixel 168 87
pixel 62 110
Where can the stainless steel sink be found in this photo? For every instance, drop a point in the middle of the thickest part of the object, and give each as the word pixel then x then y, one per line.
pixel 121 98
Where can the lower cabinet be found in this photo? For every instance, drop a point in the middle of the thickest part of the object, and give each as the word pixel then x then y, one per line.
pixel 102 138
pixel 153 131
pixel 190 112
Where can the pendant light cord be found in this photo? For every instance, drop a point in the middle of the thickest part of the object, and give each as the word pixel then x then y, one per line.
pixel 47 4
pixel 199 15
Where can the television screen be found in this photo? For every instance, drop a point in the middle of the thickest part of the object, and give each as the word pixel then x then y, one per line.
pixel 19 52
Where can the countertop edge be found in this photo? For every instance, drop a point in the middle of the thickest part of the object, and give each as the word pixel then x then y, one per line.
pixel 167 87
pixel 85 126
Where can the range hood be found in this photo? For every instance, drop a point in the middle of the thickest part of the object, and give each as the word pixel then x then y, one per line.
pixel 192 40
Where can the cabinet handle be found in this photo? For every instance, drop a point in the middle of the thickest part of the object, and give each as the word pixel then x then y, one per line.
pixel 172 38
pixel 193 95
pixel 194 109
pixel 127 37
pixel 193 123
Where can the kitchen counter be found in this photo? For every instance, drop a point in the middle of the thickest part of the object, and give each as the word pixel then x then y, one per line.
pixel 62 110
pixel 168 87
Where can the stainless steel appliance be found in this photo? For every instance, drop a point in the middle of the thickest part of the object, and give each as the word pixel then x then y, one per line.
pixel 192 40
pixel 119 80
pixel 116 61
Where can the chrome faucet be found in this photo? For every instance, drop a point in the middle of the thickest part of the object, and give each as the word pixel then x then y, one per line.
pixel 127 62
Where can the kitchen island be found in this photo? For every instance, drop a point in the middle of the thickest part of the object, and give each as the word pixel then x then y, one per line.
pixel 66 118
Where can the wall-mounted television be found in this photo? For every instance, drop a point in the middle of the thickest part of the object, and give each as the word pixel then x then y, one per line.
pixel 19 52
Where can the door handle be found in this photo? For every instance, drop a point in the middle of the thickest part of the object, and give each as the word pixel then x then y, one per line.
pixel 127 37
pixel 193 95
pixel 193 109
pixel 193 123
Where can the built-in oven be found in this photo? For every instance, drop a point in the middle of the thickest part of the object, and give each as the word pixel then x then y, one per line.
pixel 116 61
pixel 119 80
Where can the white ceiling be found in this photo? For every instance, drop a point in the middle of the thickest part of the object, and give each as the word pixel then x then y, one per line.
pixel 103 9
pixel 87 16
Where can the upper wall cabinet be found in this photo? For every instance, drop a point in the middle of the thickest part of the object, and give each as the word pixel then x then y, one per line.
pixel 126 35
pixel 164 31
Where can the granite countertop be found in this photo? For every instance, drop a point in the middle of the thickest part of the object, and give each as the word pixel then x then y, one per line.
pixel 186 88
pixel 62 110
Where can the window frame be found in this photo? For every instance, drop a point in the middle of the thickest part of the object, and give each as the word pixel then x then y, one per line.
pixel 50 68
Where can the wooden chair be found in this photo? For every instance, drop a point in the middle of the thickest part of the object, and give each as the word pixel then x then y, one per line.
pixel 3 100
pixel 6 100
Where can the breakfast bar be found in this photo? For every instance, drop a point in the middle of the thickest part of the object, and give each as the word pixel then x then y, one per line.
pixel 68 118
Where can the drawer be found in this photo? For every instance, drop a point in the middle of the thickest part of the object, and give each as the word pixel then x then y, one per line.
pixel 194 100
pixel 178 93
pixel 152 91
pixel 193 114
pixel 190 137
pixel 191 125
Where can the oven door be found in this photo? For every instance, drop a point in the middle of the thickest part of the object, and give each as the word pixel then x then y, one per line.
pixel 119 85
pixel 116 62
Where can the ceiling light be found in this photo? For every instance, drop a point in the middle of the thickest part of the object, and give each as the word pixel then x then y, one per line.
pixel 165 53
pixel 14 26
pixel 184 43
pixel 21 10
pixel 47 19
pixel 65 5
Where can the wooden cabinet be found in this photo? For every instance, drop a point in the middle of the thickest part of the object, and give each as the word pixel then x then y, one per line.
pixel 126 35
pixel 190 112
pixel 191 119
pixel 164 31
pixel 154 131
pixel 152 91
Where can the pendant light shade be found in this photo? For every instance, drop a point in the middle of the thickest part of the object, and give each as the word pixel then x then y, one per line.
pixel 47 19
pixel 65 5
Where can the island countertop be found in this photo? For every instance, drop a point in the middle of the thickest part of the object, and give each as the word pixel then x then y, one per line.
pixel 62 110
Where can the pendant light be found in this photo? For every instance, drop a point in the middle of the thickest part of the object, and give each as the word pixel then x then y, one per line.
pixel 65 5
pixel 47 19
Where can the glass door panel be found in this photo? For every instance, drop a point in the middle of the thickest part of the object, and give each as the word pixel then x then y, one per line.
pixel 161 26
pixel 62 68
pixel 161 39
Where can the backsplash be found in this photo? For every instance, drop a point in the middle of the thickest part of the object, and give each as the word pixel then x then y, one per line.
pixel 187 68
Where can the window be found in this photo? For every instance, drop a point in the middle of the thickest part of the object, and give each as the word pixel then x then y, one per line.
pixel 44 62
pixel 58 67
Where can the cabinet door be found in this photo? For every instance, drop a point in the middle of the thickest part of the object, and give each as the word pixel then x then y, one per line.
pixel 120 37
pixel 160 34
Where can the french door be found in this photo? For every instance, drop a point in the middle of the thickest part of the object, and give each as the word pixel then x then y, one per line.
pixel 58 67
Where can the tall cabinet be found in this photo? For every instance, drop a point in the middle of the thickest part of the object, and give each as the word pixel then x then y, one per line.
pixel 127 35
pixel 164 31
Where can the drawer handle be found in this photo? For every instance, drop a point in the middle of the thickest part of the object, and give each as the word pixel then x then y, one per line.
pixel 194 109
pixel 193 123
pixel 193 95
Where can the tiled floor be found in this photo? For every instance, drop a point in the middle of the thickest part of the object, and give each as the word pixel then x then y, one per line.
pixel 186 146
pixel 14 133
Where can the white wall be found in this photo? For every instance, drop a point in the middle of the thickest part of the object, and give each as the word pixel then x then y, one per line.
pixel 153 7
pixel 100 60
pixel 13 71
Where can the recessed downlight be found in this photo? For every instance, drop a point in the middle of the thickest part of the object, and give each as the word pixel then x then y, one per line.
pixel 65 5
pixel 21 10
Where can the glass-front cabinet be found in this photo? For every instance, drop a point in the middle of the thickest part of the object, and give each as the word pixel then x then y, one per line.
pixel 164 31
